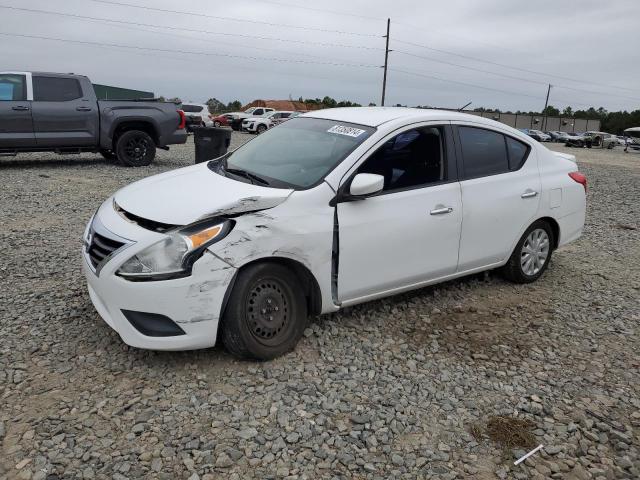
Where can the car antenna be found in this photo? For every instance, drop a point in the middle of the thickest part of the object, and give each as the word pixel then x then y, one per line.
pixel 462 108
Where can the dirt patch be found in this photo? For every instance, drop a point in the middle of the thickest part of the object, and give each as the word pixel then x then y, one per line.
pixel 510 432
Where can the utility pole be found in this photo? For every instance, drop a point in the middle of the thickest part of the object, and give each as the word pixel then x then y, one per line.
pixel 386 60
pixel 546 104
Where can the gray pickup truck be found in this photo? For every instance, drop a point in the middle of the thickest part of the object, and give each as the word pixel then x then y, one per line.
pixel 60 113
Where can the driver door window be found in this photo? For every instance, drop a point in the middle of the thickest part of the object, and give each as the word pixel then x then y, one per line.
pixel 411 159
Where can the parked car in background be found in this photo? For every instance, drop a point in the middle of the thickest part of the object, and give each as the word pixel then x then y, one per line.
pixel 237 117
pixel 633 136
pixel 196 116
pixel 556 135
pixel 56 112
pixel 596 139
pixel 223 120
pixel 262 124
pixel 330 209
pixel 575 140
pixel 538 135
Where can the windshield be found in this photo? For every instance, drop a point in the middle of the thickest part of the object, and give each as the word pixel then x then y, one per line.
pixel 300 152
pixel 249 110
pixel 192 108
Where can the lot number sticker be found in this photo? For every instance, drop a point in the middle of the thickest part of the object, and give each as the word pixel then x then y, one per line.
pixel 348 131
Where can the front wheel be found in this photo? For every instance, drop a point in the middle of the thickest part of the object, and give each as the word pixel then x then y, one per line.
pixel 266 313
pixel 532 254
pixel 216 124
pixel 135 148
pixel 261 129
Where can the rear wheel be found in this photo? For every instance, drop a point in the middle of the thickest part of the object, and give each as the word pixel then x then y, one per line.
pixel 135 148
pixel 216 124
pixel 266 313
pixel 532 254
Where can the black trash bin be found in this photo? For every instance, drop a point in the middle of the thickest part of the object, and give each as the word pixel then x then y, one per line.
pixel 211 142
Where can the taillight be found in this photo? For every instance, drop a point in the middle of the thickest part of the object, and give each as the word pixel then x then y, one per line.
pixel 183 120
pixel 580 178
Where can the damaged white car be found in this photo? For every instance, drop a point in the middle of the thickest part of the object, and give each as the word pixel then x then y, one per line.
pixel 330 209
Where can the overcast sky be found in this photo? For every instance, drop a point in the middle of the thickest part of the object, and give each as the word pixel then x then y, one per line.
pixel 592 43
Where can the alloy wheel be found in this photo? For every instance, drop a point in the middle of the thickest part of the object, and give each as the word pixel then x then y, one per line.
pixel 535 252
pixel 136 148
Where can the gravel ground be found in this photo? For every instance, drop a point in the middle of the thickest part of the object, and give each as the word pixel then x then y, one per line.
pixel 390 389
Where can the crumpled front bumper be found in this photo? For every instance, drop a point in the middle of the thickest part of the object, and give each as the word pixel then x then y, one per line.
pixel 194 303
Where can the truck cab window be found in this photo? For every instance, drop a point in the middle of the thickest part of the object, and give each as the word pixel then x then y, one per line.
pixel 54 89
pixel 12 88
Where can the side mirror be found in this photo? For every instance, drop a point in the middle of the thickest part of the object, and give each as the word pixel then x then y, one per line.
pixel 366 184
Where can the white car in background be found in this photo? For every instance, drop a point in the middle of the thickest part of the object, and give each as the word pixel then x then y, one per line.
pixel 262 124
pixel 196 115
pixel 331 209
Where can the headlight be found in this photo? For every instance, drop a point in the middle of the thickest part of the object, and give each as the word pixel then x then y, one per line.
pixel 174 256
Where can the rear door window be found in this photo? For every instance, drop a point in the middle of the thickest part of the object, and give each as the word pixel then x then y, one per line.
pixel 56 89
pixel 484 152
pixel 13 87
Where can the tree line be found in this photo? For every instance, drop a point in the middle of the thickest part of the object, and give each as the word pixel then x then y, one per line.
pixel 612 122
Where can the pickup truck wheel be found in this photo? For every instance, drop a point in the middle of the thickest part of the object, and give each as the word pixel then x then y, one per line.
pixel 135 148
pixel 261 129
pixel 266 313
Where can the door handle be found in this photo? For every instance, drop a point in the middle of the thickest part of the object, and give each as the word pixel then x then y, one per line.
pixel 440 210
pixel 20 108
pixel 83 109
pixel 529 194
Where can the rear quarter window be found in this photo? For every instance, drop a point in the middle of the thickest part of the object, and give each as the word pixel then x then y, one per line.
pixel 518 153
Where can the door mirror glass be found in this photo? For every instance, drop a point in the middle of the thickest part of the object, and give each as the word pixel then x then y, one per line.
pixel 366 184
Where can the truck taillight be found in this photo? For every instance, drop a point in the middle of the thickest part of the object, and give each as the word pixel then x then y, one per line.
pixel 580 178
pixel 183 120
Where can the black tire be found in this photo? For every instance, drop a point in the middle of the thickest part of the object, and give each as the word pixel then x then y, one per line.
pixel 266 313
pixel 513 270
pixel 108 155
pixel 261 129
pixel 216 124
pixel 135 148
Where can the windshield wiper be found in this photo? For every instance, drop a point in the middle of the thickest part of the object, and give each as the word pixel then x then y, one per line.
pixel 248 175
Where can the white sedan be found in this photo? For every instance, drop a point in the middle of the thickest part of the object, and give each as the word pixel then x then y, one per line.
pixel 332 208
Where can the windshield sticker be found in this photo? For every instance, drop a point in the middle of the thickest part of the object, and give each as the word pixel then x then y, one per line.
pixel 348 131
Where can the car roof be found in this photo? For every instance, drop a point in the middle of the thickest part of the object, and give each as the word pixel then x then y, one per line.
pixel 376 116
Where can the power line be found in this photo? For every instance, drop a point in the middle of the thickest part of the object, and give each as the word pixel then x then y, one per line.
pixel 445 80
pixel 313 9
pixel 462 83
pixel 232 19
pixel 193 30
pixel 522 79
pixel 468 57
pixel 212 54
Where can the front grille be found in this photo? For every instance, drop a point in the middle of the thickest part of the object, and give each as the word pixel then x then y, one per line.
pixel 100 248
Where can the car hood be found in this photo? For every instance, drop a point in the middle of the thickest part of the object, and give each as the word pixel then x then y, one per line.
pixel 185 195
